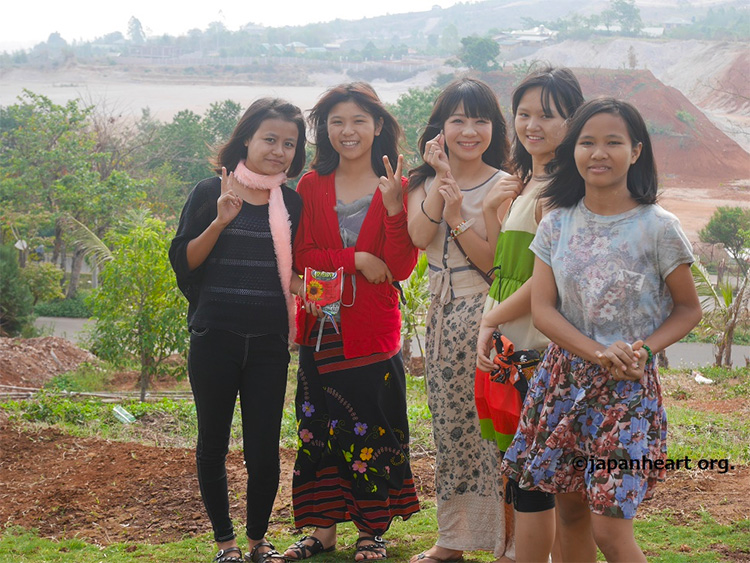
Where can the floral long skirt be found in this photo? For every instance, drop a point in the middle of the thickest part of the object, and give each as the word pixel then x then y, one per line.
pixel 353 439
pixel 470 507
pixel 582 431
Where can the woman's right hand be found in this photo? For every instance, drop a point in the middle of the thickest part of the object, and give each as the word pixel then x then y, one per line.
pixel 229 203
pixel 372 267
pixel 625 362
pixel 484 347
pixel 506 188
pixel 434 155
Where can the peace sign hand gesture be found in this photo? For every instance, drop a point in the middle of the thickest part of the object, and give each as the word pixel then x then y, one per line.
pixel 229 203
pixel 390 186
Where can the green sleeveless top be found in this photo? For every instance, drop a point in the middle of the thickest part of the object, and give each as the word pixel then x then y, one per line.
pixel 516 264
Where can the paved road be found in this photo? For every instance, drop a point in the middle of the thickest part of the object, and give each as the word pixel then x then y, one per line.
pixel 71 329
pixel 680 355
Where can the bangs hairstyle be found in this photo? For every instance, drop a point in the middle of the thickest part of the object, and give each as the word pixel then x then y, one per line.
pixel 326 158
pixel 235 150
pixel 560 88
pixel 566 186
pixel 479 101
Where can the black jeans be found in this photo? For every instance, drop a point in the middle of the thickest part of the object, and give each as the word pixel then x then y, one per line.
pixel 221 364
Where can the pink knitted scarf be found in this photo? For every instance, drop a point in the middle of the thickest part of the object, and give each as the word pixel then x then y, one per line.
pixel 281 230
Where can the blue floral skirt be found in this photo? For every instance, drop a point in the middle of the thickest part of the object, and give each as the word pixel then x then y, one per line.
pixel 582 431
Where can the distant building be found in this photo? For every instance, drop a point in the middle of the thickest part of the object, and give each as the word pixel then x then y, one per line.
pixel 525 37
pixel 676 22
pixel 296 47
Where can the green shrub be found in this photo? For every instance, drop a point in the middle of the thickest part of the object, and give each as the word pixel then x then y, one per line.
pixel 686 117
pixel 44 281
pixel 15 298
pixel 75 307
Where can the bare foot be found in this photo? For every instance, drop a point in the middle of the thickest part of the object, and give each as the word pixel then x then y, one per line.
pixel 437 554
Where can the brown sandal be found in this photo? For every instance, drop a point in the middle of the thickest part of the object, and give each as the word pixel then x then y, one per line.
pixel 304 551
pixel 376 543
pixel 223 557
pixel 266 557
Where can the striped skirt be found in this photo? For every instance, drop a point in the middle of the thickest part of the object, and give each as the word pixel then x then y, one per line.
pixel 353 439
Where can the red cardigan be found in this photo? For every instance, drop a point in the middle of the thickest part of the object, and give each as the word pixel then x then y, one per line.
pixel 373 323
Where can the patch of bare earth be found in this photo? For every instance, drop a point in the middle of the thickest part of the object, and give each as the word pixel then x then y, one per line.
pixel 34 361
pixel 104 491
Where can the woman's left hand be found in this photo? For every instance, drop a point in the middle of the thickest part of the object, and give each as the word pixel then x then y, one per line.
pixel 390 186
pixel 453 197
pixel 625 362
pixel 312 308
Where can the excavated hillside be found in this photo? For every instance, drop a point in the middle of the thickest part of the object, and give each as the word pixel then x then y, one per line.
pixel 690 150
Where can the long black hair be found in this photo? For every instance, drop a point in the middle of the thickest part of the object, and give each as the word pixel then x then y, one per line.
pixel 559 87
pixel 235 149
pixel 566 186
pixel 478 100
pixel 326 159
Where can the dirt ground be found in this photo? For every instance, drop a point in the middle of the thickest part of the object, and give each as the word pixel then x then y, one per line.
pixel 104 491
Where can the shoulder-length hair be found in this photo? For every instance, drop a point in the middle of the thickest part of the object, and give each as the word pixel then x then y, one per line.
pixel 559 86
pixel 566 186
pixel 235 149
pixel 326 159
pixel 478 100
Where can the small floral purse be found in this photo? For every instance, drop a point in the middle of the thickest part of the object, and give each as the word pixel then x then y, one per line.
pixel 325 290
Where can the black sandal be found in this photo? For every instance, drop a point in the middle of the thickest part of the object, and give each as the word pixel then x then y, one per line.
pixel 255 557
pixel 304 551
pixel 375 543
pixel 222 556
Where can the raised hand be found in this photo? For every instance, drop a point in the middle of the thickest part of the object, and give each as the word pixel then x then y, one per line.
pixel 507 187
pixel 229 203
pixel 390 186
pixel 434 155
pixel 453 197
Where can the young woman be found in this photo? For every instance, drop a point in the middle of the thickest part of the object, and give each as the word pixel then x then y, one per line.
pixel 542 103
pixel 464 147
pixel 353 458
pixel 611 287
pixel 232 256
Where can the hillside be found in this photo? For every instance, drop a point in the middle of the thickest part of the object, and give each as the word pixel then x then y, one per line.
pixel 690 150
pixel 715 76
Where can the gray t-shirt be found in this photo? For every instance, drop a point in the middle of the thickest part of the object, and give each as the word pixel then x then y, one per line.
pixel 610 270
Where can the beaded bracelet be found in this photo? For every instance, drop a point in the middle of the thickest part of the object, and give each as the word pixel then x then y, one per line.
pixel 462 227
pixel 430 218
pixel 650 354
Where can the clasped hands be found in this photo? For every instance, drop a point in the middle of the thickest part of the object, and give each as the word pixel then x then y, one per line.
pixel 625 362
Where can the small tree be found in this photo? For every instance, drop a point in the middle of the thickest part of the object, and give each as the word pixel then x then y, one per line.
pixel 723 310
pixel 416 301
pixel 44 280
pixel 135 31
pixel 628 15
pixel 479 52
pixel 730 226
pixel 138 308
pixel 15 297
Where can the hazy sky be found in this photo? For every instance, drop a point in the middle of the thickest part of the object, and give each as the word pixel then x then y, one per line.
pixel 24 25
